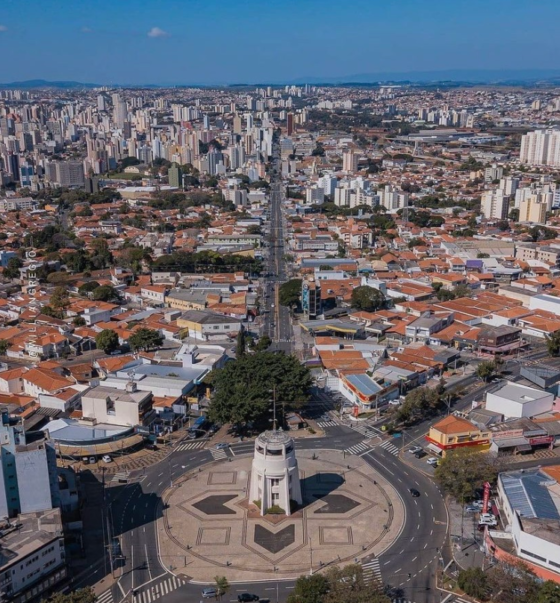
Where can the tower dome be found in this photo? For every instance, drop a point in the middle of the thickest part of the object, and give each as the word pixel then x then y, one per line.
pixel 274 474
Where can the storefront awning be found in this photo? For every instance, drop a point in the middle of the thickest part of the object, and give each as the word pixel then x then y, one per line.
pixel 433 448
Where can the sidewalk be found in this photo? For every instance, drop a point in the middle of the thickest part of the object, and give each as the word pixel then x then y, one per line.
pixel 465 539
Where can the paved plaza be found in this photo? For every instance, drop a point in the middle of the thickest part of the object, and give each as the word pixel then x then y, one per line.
pixel 209 527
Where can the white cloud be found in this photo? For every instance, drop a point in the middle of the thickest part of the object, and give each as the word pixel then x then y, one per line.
pixel 3 28
pixel 157 32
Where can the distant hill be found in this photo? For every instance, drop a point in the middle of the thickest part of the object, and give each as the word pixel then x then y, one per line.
pixel 478 76
pixel 27 84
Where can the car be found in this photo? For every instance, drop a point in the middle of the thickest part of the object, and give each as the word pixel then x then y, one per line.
pixel 92 460
pixel 432 461
pixel 210 593
pixel 487 522
pixel 488 516
pixel 85 460
pixel 471 509
pixel 247 597
pixel 414 492
pixel 106 458
pixel 222 445
pixel 420 454
pixel 414 449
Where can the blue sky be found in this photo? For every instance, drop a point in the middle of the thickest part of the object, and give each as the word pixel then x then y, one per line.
pixel 220 41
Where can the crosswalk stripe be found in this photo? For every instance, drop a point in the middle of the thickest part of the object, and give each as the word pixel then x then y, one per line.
pixel 120 475
pixel 327 423
pixel 190 446
pixel 357 448
pixel 390 447
pixel 218 454
pixel 106 597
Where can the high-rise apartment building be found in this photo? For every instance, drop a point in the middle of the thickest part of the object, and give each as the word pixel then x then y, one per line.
pixel 541 147
pixel 495 205
pixel 350 161
pixel 175 176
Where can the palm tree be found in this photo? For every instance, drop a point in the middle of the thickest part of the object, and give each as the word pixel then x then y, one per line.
pixel 222 585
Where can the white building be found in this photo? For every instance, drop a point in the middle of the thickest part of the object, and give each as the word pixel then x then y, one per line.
pixel 530 505
pixel 349 161
pixel 111 406
pixel 495 204
pixel 314 195
pixel 541 147
pixel 514 400
pixel 274 474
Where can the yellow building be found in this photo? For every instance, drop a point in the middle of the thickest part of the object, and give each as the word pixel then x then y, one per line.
pixel 453 433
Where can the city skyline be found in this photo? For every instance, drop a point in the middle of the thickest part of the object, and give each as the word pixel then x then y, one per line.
pixel 189 42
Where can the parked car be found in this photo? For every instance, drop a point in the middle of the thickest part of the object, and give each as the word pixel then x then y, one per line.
pixel 106 458
pixel 471 509
pixel 415 449
pixel 210 593
pixel 247 598
pixel 488 516
pixel 420 454
pixel 222 445
pixel 92 460
pixel 433 461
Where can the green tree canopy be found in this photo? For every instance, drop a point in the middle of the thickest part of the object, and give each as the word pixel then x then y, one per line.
pixel 553 343
pixel 145 339
pixel 474 582
pixel 309 589
pixel 243 388
pixel 367 298
pixel 461 472
pixel 82 595
pixel 12 268
pixel 4 345
pixel 59 298
pixel 88 288
pixel 107 340
pixel 486 370
pixel 105 293
pixel 290 293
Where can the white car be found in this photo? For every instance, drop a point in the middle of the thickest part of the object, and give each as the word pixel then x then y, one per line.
pixel 106 458
pixel 488 522
pixel 432 461
pixel 487 516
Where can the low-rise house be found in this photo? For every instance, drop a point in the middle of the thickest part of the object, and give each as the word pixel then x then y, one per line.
pixel 205 325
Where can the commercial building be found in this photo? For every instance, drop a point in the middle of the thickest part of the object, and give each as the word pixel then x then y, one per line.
pixel 175 176
pixel 530 507
pixel 205 325
pixel 515 400
pixel 455 432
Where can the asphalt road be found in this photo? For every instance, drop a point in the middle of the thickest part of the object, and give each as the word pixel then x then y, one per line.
pixel 134 508
pixel 277 322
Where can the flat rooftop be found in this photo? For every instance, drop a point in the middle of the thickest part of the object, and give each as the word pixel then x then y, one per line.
pixel 35 531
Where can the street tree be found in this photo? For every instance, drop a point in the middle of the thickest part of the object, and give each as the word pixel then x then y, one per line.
pixel 107 340
pixel 290 293
pixel 241 343
pixel 553 343
pixel 419 403
pixel 309 589
pixel 222 585
pixel 4 345
pixel 367 298
pixel 263 344
pixel 145 339
pixel 81 595
pixel 244 387
pixel 461 472
pixel 549 592
pixel 474 582
pixel 513 583
pixel 348 584
pixel 486 370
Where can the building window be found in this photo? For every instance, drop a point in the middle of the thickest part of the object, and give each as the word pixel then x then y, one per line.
pixel 533 555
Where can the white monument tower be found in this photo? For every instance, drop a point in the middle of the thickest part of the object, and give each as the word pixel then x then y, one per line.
pixel 274 475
